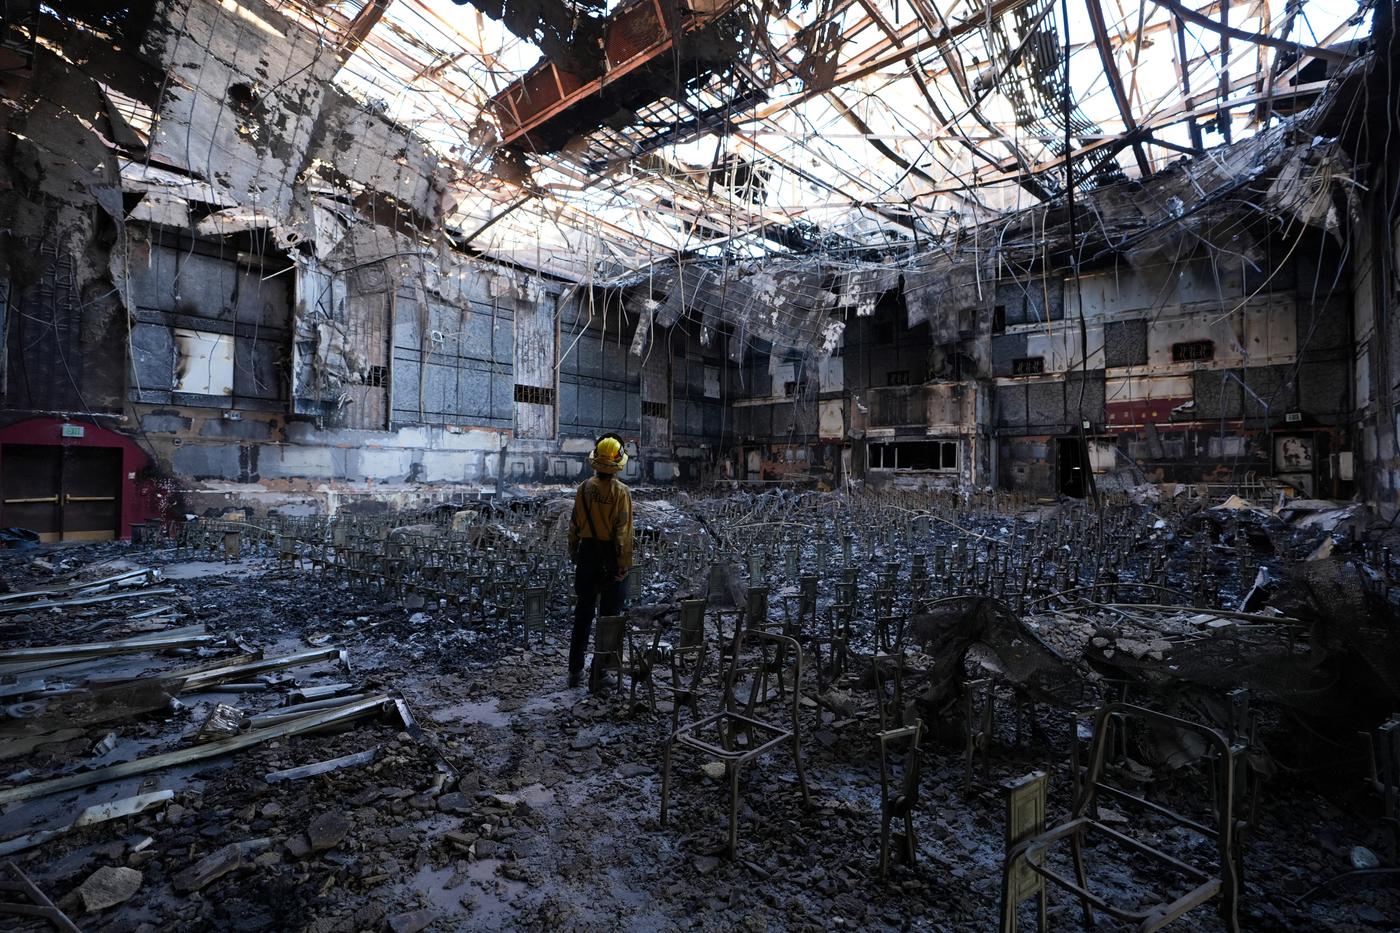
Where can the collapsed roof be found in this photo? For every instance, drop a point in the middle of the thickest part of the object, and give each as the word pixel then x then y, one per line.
pixel 782 129
pixel 775 167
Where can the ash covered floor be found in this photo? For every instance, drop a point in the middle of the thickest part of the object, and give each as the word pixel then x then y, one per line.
pixel 508 801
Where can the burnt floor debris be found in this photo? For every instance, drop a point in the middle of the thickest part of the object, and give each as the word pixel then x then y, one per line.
pixel 362 722
pixel 975 422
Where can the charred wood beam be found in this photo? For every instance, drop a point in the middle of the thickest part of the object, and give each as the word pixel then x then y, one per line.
pixel 786 236
pixel 1153 139
pixel 1177 115
pixel 1262 63
pixel 1222 116
pixel 1244 35
pixel 1115 80
pixel 896 38
pixel 875 142
pixel 879 20
pixel 333 20
pixel 952 59
pixel 369 16
pixel 869 66
pixel 465 240
pixel 1183 75
pixel 237 743
pixel 903 219
pixel 1030 184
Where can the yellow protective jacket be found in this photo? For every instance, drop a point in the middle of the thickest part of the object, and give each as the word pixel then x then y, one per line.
pixel 603 510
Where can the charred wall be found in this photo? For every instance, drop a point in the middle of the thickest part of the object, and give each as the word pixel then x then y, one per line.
pixel 1196 371
pixel 1376 358
pixel 1213 368
pixel 246 269
pixel 59 182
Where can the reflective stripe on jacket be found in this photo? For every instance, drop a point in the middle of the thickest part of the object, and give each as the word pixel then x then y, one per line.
pixel 603 510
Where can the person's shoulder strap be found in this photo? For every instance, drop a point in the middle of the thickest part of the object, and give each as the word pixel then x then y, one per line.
pixel 588 509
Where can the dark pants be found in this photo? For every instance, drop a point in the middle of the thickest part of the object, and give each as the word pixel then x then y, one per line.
pixel 593 584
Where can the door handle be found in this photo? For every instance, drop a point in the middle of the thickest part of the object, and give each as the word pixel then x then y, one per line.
pixel 31 500
pixel 68 499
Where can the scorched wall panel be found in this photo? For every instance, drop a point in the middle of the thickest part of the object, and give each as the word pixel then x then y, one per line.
pixel 599 374
pixel 245 94
pixel 453 365
pixel 204 287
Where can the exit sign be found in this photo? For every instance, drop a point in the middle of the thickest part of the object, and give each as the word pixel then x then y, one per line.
pixel 73 430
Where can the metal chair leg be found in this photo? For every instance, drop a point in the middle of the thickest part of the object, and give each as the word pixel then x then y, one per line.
pixel 801 775
pixel 734 810
pixel 1008 909
pixel 1080 877
pixel 665 777
pixel 884 844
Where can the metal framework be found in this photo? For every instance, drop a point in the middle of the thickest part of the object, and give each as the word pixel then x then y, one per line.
pixel 846 125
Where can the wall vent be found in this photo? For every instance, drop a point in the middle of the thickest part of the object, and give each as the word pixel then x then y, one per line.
pixel 1192 351
pixel 1028 366
pixel 534 395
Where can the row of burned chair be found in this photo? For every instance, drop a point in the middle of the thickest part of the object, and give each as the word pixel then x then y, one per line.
pixel 511 584
pixel 1116 549
pixel 753 670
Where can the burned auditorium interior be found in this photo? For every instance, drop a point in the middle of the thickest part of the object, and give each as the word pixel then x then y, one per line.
pixel 710 465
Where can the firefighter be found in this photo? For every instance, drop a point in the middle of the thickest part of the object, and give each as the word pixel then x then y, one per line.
pixel 600 544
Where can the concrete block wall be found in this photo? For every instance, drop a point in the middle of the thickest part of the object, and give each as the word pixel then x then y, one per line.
pixel 1281 346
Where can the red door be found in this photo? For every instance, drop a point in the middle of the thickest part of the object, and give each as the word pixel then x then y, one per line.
pixel 63 493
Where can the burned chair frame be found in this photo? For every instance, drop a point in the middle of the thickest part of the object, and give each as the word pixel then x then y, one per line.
pixel 1225 884
pixel 731 721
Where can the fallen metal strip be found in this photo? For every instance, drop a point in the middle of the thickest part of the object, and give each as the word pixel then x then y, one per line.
pixel 33 667
pixel 184 673
pixel 213 749
pixel 128 806
pixel 27 667
pixel 22 687
pixel 39 905
pixel 219 674
pixel 286 714
pixel 81 707
pixel 94 683
pixel 323 767
pixel 151 573
pixel 100 649
pixel 410 725
pixel 15 747
pixel 87 601
pixel 324 691
pixel 97 813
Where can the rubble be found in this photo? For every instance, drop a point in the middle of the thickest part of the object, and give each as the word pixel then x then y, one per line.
pixel 413 921
pixel 1007 405
pixel 326 830
pixel 108 887
pixel 482 792
pixel 217 864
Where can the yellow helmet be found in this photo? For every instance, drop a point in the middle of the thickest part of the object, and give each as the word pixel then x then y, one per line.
pixel 608 455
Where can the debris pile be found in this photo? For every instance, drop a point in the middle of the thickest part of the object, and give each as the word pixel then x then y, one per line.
pixel 355 724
